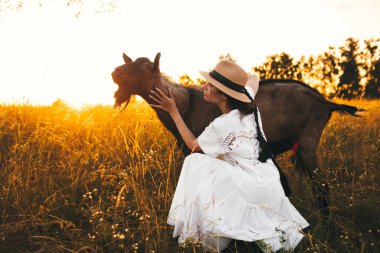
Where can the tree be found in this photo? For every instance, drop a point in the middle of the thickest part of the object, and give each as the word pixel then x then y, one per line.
pixel 371 68
pixel 227 56
pixel 10 5
pixel 330 70
pixel 349 82
pixel 98 6
pixel 186 80
pixel 279 66
pixel 200 81
pixel 325 72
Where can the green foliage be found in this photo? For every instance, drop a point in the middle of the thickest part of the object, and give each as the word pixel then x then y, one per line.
pixel 351 71
pixel 280 66
pixel 348 86
pixel 327 68
pixel 372 68
pixel 227 56
pixel 186 80
pixel 335 73
pixel 372 89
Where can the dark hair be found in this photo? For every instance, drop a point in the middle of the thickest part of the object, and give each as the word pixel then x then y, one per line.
pixel 247 108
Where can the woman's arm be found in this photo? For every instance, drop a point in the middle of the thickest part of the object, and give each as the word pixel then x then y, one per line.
pixel 168 104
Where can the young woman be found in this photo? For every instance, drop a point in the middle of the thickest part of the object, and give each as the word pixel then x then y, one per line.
pixel 233 189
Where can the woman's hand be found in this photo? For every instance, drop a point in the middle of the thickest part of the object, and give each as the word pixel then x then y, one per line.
pixel 164 102
pixel 167 103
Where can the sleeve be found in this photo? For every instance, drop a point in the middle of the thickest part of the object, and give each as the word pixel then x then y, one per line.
pixel 208 141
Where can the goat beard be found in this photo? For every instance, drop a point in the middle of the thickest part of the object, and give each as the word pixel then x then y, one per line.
pixel 122 97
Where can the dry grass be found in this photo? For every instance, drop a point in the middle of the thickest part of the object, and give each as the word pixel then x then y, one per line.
pixel 97 180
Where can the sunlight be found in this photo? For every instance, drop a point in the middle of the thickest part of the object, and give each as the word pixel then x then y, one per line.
pixel 58 61
pixel 48 53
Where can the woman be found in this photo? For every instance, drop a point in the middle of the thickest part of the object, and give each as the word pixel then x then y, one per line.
pixel 233 190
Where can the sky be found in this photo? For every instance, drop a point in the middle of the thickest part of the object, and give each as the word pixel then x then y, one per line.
pixel 48 52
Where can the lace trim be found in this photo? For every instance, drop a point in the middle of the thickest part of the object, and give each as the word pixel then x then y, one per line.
pixel 230 143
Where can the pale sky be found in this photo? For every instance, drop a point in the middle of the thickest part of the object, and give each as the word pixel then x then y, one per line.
pixel 47 53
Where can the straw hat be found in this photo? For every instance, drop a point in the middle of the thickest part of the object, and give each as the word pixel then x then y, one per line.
pixel 232 79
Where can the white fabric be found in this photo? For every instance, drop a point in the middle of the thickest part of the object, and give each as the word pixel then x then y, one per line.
pixel 250 91
pixel 253 82
pixel 235 197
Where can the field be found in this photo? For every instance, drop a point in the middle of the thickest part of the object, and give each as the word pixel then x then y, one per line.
pixel 100 180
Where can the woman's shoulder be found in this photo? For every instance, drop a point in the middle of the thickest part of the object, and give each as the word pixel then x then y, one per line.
pixel 228 119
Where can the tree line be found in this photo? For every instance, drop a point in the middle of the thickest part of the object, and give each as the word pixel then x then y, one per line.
pixel 348 72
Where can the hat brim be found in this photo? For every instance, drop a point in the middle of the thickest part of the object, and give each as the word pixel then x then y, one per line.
pixel 237 95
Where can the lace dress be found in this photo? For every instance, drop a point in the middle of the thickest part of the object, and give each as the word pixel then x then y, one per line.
pixel 226 193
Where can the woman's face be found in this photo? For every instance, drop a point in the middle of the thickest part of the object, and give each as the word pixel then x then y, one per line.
pixel 211 94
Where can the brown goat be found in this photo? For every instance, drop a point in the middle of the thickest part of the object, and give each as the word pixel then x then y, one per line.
pixel 293 114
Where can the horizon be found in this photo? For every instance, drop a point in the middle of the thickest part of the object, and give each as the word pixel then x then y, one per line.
pixel 48 53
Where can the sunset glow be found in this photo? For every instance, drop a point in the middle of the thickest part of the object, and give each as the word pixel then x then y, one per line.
pixel 47 52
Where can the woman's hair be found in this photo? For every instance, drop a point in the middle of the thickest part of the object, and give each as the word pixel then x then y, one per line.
pixel 245 109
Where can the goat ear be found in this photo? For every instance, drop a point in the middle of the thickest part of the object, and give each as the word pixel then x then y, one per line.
pixel 126 58
pixel 156 64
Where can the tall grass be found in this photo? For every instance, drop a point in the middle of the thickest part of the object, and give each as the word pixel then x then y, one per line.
pixel 99 180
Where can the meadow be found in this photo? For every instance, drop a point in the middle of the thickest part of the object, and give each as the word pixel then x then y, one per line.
pixel 101 180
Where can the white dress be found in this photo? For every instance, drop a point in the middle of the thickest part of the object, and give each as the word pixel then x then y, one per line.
pixel 227 193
